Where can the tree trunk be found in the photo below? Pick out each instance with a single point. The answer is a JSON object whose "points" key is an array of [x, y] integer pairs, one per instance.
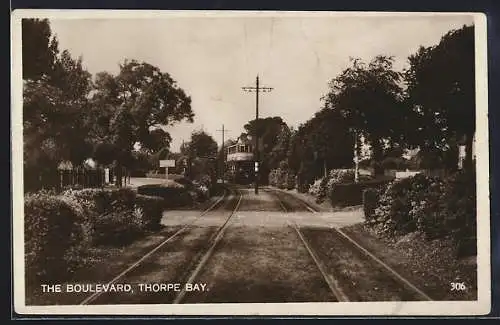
{"points": [[118, 175], [377, 157]]}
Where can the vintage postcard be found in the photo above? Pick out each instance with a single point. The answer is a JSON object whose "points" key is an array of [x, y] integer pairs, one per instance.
{"points": [[250, 163]]}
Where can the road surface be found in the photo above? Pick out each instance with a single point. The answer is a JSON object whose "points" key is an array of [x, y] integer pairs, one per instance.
{"points": [[243, 247]]}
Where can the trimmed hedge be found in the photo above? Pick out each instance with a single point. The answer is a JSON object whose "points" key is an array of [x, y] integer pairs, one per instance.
{"points": [[59, 229], [52, 235], [173, 196], [117, 228], [351, 194], [151, 208]]}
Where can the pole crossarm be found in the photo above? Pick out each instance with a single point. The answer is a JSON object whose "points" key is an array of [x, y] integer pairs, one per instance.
{"points": [[257, 89], [260, 89]]}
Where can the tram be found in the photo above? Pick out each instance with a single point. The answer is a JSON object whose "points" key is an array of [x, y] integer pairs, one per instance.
{"points": [[240, 161]]}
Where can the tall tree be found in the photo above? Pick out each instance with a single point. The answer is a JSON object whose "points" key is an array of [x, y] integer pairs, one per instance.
{"points": [[370, 99], [267, 130], [39, 48], [157, 140], [55, 93], [280, 150], [202, 145], [441, 93], [322, 143], [201, 153], [146, 99]]}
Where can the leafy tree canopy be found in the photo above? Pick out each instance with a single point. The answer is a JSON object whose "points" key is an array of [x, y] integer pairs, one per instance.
{"points": [[441, 92], [131, 107]]}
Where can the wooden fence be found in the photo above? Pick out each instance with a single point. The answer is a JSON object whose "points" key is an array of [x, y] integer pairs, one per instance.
{"points": [[57, 180]]}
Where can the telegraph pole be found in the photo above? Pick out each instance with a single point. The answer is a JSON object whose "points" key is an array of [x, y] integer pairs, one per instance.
{"points": [[257, 89], [356, 157], [223, 153]]}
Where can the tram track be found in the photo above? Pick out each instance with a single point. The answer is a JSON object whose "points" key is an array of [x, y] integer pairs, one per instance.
{"points": [[329, 280], [206, 256], [203, 247], [380, 282]]}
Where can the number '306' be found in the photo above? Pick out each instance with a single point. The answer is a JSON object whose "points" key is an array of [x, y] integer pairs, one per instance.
{"points": [[458, 286]]}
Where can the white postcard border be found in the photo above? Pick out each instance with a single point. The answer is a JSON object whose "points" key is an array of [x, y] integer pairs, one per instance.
{"points": [[481, 306]]}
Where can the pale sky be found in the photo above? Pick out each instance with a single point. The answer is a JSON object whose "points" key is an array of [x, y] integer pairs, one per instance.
{"points": [[211, 58]]}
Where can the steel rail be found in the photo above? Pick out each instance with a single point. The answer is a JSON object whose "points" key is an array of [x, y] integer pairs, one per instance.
{"points": [[395, 275], [209, 252], [330, 281], [96, 295]]}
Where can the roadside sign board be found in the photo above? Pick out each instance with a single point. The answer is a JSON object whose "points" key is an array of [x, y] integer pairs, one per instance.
{"points": [[167, 163]]}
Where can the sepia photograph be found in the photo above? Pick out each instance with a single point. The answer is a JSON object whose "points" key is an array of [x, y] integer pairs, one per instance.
{"points": [[250, 163]]}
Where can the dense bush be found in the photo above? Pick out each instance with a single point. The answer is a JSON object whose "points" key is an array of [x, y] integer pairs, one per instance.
{"points": [[431, 205], [459, 210], [173, 196], [60, 228], [204, 180], [117, 228], [351, 194], [52, 237], [425, 206], [370, 202], [318, 189], [104, 200], [290, 181], [282, 178], [151, 210], [274, 177], [321, 187], [397, 201], [122, 199]]}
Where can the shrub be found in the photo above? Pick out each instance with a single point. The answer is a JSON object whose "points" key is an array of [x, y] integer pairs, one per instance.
{"points": [[282, 178], [323, 186], [433, 206], [370, 202], [394, 206], [122, 198], [341, 176], [315, 187], [459, 208], [173, 196], [410, 204], [97, 205], [105, 200], [272, 177], [290, 181], [351, 194], [202, 192], [117, 228], [425, 208], [204, 180], [52, 237], [151, 208]]}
